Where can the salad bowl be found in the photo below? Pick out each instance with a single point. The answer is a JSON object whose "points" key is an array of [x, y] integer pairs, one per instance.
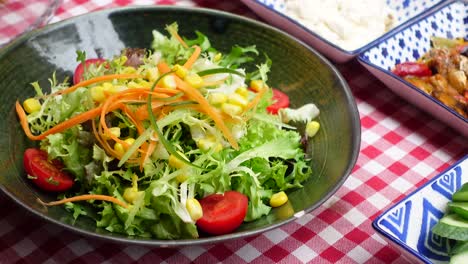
{"points": [[304, 75]]}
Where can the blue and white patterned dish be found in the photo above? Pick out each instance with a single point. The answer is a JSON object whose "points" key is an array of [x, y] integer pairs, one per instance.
{"points": [[273, 12], [448, 20], [407, 225]]}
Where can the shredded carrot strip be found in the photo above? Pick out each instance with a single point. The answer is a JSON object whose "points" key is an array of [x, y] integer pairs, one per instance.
{"points": [[102, 143], [176, 35], [148, 152], [256, 99], [198, 97], [85, 197], [163, 68], [96, 80], [133, 119], [196, 53], [78, 119], [106, 108]]}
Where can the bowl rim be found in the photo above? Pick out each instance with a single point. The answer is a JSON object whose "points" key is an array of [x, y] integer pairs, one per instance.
{"points": [[381, 231], [352, 107], [357, 51], [361, 58]]}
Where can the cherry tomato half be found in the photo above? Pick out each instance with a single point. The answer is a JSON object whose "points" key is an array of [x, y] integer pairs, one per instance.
{"points": [[280, 100], [222, 213], [78, 76], [47, 174]]}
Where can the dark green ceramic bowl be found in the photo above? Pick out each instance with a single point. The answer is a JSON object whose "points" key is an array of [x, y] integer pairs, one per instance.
{"points": [[298, 70]]}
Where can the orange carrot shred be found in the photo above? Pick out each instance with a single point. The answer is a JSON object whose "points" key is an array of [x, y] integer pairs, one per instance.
{"points": [[176, 35], [196, 53], [197, 96], [256, 99], [96, 80], [85, 197], [163, 68], [78, 119]]}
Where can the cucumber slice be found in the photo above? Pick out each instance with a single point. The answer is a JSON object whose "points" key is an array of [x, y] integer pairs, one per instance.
{"points": [[460, 258], [462, 194], [460, 208], [452, 226], [460, 246]]}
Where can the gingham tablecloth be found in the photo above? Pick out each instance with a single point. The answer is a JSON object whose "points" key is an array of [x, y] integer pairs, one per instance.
{"points": [[402, 148]]}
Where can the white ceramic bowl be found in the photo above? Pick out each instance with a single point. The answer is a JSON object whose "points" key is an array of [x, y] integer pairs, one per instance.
{"points": [[273, 11], [407, 225], [408, 44]]}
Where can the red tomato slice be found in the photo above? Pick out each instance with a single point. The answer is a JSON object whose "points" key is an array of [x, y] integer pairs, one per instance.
{"points": [[47, 174], [78, 76], [223, 213], [280, 99]]}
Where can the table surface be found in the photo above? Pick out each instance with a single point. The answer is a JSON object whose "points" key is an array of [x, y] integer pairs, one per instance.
{"points": [[402, 147]]}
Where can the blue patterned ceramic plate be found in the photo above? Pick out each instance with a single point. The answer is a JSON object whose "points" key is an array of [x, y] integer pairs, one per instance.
{"points": [[448, 20], [408, 224], [273, 11]]}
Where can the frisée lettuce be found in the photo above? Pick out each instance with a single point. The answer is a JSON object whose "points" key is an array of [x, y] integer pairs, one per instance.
{"points": [[158, 129]]}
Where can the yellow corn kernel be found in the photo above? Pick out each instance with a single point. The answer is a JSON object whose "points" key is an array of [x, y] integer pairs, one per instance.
{"points": [[31, 105], [243, 92], [285, 211], [114, 131], [130, 194], [133, 85], [119, 149], [97, 93], [179, 70], [176, 162], [217, 98], [129, 70], [107, 86], [312, 128], [231, 109], [206, 144], [122, 59], [257, 85], [152, 74], [182, 177], [237, 99], [129, 141], [194, 80], [194, 209], [217, 57], [144, 84], [168, 81], [278, 199]]}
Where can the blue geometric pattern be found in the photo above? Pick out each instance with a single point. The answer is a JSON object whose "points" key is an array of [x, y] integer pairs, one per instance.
{"points": [[448, 183], [409, 223], [277, 5], [413, 41], [430, 245], [397, 220]]}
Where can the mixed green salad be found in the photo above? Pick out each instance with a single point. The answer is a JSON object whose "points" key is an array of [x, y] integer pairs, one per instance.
{"points": [[159, 142]]}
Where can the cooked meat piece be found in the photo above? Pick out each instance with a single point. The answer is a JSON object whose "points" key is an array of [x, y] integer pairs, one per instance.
{"points": [[457, 79], [135, 56]]}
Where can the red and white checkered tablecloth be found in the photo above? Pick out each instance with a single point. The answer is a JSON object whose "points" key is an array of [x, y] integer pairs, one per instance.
{"points": [[402, 148]]}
